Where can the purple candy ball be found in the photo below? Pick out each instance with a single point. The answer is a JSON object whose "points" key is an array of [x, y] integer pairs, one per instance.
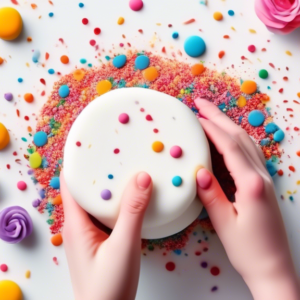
{"points": [[15, 224], [106, 194], [8, 96], [36, 202]]}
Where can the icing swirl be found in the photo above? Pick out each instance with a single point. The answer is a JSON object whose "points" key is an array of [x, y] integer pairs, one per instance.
{"points": [[280, 16], [15, 224]]}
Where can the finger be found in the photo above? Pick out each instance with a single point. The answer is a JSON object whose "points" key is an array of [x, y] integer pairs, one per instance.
{"points": [[134, 203], [235, 160], [220, 210], [214, 114], [76, 218]]}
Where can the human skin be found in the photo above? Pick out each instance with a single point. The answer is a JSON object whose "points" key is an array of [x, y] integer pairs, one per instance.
{"points": [[251, 229]]}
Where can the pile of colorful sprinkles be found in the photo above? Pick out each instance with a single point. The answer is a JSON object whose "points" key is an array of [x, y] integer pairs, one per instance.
{"points": [[241, 101]]}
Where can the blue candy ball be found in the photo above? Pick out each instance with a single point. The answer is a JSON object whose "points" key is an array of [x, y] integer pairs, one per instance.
{"points": [[54, 182], [256, 118], [64, 91], [270, 167], [40, 138], [231, 13], [142, 62], [51, 14], [175, 35], [194, 46], [177, 181], [81, 5], [119, 61], [51, 71], [271, 128], [278, 135]]}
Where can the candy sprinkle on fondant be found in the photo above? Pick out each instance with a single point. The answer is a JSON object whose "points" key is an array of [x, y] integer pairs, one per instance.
{"points": [[175, 79]]}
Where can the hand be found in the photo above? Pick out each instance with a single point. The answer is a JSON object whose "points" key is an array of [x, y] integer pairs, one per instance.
{"points": [[106, 267], [251, 229]]}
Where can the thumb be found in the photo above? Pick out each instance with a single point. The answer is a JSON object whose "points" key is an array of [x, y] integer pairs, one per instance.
{"points": [[218, 207], [134, 203]]}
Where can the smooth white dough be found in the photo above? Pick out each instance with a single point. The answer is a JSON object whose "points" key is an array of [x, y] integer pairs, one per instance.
{"points": [[97, 128]]}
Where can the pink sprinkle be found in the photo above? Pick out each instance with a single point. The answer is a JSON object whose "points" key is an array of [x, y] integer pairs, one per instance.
{"points": [[55, 260], [149, 118], [155, 130], [78, 144], [4, 268], [142, 109], [116, 151], [121, 45], [85, 21], [252, 48], [176, 151], [21, 185], [123, 118], [97, 31], [92, 42]]}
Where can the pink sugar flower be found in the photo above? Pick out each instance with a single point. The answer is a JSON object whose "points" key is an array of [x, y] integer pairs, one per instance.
{"points": [[279, 16]]}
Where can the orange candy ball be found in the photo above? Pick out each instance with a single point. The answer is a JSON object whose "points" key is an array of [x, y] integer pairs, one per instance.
{"points": [[218, 16], [197, 69], [249, 87], [57, 240], [64, 59], [1, 60], [150, 73], [28, 97], [157, 146], [57, 200]]}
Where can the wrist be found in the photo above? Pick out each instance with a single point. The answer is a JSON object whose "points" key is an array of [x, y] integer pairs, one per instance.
{"points": [[275, 287]]}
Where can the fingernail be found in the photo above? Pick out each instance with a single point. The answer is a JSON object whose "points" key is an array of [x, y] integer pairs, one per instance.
{"points": [[204, 179], [143, 180]]}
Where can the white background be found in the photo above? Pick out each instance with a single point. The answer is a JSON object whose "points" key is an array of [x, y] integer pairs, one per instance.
{"points": [[189, 280]]}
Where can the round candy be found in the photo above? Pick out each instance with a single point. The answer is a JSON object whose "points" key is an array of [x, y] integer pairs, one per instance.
{"points": [[106, 194], [256, 118], [177, 181], [231, 13], [263, 74], [54, 183], [242, 101], [175, 35], [176, 151], [157, 146], [64, 91], [36, 202], [218, 16], [194, 46], [28, 97], [271, 128], [40, 138], [150, 73], [278, 135], [10, 23], [21, 185], [15, 224], [57, 240], [251, 48], [8, 96], [171, 209], [197, 69], [142, 62], [136, 5], [81, 5], [248, 87], [103, 87], [123, 118], [121, 21], [4, 136], [35, 160], [57, 200], [119, 61], [64, 59], [9, 290]]}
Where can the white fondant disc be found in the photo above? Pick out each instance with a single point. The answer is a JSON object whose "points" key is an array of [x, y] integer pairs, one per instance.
{"points": [[100, 147]]}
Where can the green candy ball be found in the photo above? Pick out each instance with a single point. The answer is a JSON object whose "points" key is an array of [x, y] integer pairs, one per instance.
{"points": [[263, 74]]}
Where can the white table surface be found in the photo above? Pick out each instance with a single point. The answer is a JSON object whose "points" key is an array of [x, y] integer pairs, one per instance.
{"points": [[189, 280]]}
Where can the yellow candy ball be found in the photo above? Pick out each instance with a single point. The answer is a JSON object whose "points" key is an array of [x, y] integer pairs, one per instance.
{"points": [[121, 21], [218, 16], [4, 136], [11, 23], [157, 146], [241, 101], [248, 87], [103, 87], [9, 290], [35, 160], [78, 75]]}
